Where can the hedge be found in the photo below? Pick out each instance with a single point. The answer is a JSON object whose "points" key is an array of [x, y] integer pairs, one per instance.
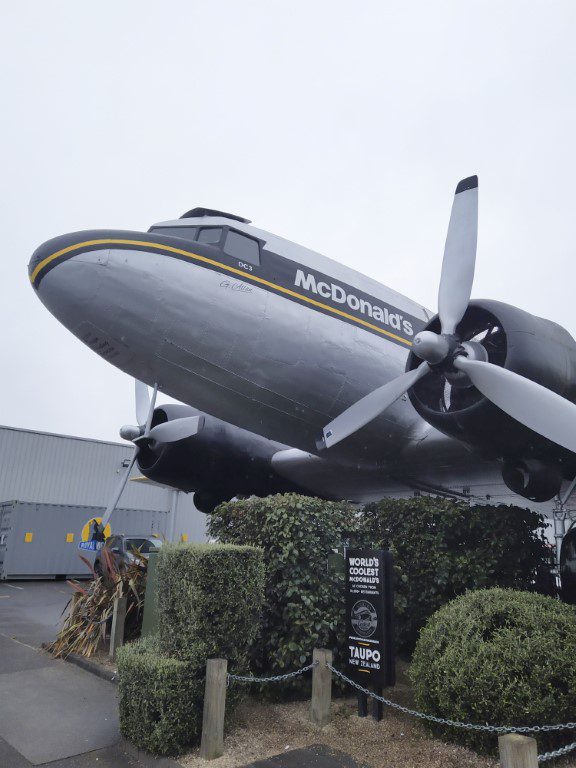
{"points": [[442, 548], [501, 657], [209, 596], [160, 698], [303, 606], [209, 605]]}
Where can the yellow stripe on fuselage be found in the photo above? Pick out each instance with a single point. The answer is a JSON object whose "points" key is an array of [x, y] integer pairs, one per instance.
{"points": [[206, 260]]}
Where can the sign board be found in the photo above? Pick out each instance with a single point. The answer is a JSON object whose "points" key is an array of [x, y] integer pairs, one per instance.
{"points": [[369, 617], [91, 537], [90, 546]]}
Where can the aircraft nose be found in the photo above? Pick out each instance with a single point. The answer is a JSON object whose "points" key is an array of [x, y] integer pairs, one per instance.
{"points": [[105, 287], [52, 253], [65, 276]]}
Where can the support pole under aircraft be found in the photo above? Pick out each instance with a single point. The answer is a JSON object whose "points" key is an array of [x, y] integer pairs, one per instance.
{"points": [[175, 497], [559, 532], [560, 515]]}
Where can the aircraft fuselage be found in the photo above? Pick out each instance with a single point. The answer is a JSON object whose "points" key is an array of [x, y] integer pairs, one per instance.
{"points": [[273, 338]]}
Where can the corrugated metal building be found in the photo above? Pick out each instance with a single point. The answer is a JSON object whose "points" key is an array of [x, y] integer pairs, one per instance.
{"points": [[63, 470]]}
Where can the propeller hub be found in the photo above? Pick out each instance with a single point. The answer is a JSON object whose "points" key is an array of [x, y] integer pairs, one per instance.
{"points": [[129, 432], [471, 350], [431, 347], [474, 351]]}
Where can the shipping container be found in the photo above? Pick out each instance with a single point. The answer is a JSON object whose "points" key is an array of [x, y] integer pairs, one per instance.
{"points": [[42, 540]]}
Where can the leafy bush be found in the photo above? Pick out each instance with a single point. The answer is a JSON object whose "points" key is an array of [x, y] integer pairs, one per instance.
{"points": [[500, 657], [442, 548], [209, 604], [304, 603], [160, 698]]}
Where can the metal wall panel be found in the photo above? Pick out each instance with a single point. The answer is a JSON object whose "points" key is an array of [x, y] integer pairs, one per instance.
{"points": [[55, 469], [58, 469]]}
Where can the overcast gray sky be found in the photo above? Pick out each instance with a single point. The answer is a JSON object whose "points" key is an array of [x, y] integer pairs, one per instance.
{"points": [[341, 126]]}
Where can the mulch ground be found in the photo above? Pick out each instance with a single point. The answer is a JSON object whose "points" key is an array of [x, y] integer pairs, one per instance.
{"points": [[261, 729]]}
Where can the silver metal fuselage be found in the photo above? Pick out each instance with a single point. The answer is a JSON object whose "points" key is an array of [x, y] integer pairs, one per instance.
{"points": [[219, 340]]}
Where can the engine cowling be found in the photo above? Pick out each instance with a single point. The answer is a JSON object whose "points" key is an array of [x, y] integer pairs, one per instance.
{"points": [[219, 462], [531, 346]]}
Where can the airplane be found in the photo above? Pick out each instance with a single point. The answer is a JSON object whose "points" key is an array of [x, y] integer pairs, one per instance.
{"points": [[296, 373]]}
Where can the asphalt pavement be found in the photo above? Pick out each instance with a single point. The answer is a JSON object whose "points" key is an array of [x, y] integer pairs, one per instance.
{"points": [[51, 711]]}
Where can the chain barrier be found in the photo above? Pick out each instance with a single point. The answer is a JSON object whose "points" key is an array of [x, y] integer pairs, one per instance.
{"points": [[497, 729], [500, 729], [272, 679], [557, 752]]}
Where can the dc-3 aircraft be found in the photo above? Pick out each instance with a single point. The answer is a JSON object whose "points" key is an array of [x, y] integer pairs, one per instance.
{"points": [[300, 374]]}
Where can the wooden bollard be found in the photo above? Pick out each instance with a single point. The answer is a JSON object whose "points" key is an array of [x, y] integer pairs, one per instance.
{"points": [[517, 751], [212, 743], [118, 622], [321, 687]]}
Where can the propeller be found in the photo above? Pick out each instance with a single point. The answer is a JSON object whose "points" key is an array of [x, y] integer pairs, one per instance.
{"points": [[533, 405], [145, 435]]}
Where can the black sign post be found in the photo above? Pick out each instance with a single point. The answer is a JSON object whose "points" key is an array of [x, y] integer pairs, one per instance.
{"points": [[369, 622]]}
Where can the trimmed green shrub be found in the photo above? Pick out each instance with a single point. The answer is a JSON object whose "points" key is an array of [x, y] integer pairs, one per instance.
{"points": [[160, 699], [304, 600], [498, 657], [442, 548], [209, 605], [209, 601]]}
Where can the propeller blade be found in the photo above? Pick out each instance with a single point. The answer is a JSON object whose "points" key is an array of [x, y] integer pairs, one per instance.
{"points": [[118, 492], [172, 431], [151, 411], [142, 402], [533, 405], [371, 406], [459, 256]]}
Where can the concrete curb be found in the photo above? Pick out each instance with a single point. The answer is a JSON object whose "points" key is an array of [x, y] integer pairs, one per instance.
{"points": [[92, 667]]}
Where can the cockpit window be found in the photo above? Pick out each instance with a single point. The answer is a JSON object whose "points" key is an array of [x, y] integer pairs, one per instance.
{"points": [[186, 233], [242, 247], [210, 235]]}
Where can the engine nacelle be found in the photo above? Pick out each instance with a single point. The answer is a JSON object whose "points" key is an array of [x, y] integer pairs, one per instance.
{"points": [[534, 479], [219, 462], [531, 346]]}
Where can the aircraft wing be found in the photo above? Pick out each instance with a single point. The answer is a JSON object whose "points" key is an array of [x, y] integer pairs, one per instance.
{"points": [[328, 479]]}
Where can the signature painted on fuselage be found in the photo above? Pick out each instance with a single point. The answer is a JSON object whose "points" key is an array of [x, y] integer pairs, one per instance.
{"points": [[236, 286]]}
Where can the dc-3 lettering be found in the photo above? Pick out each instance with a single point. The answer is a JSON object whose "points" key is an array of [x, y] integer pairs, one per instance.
{"points": [[325, 381]]}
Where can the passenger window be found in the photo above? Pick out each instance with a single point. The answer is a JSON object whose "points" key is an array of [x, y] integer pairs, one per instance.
{"points": [[242, 248], [210, 235], [185, 233]]}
